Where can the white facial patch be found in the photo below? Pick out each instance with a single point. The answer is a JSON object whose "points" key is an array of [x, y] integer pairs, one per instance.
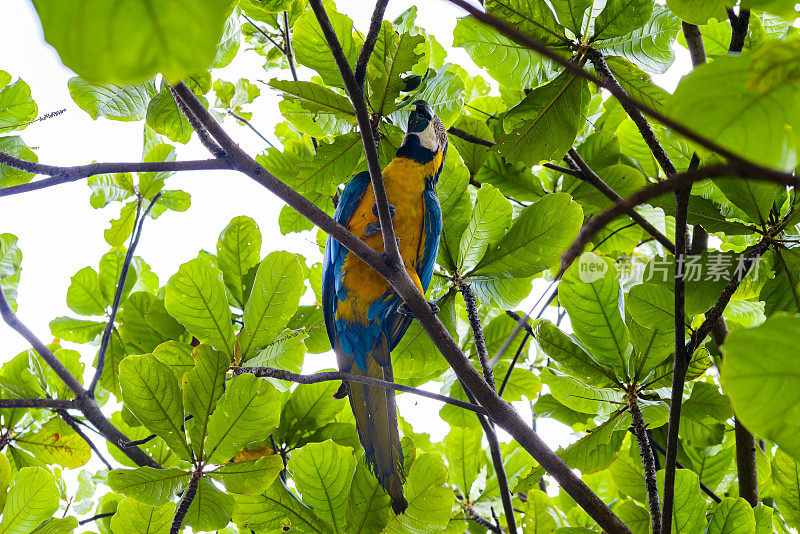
{"points": [[428, 138]]}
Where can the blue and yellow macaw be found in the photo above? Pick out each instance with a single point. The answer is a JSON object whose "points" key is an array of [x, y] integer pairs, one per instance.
{"points": [[362, 312]]}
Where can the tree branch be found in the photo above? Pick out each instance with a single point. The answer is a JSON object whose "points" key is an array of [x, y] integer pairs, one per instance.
{"points": [[85, 403], [262, 32], [62, 175], [71, 421], [95, 518], [202, 133], [52, 404], [703, 487], [325, 376], [694, 42], [517, 36], [591, 177], [477, 331], [369, 42], [648, 460], [659, 188], [186, 501], [123, 276], [739, 27]]}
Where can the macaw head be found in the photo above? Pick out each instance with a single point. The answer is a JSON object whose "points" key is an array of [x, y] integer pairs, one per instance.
{"points": [[426, 137]]}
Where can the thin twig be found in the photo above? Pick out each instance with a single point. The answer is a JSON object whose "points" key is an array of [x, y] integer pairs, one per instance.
{"points": [[186, 501], [71, 421], [123, 276], [325, 376], [249, 125], [262, 32], [63, 175], [591, 178], [648, 461], [482, 521], [369, 42], [95, 518]]}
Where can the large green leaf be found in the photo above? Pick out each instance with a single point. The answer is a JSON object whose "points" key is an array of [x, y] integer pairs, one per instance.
{"points": [[490, 218], [781, 292], [150, 390], [276, 293], [134, 517], [249, 477], [753, 197], [333, 163], [760, 126], [535, 240], [202, 388], [323, 472], [83, 294], [312, 50], [116, 102], [147, 485], [689, 507], [32, 499], [732, 516], [698, 12], [246, 412], [15, 146], [195, 297], [544, 125], [275, 509], [238, 251], [165, 118], [570, 356], [456, 207], [394, 54], [512, 64], [765, 391], [309, 407], [786, 479], [368, 505], [429, 499], [621, 17], [211, 508], [56, 443], [533, 17], [649, 47], [131, 42], [540, 513], [465, 456], [444, 92], [109, 274]]}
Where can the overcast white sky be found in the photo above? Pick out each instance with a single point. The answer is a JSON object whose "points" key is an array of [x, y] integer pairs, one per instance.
{"points": [[59, 232]]}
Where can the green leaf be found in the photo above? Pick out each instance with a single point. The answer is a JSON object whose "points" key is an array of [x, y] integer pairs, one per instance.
{"points": [[456, 207], [429, 499], [648, 47], [732, 516], [5, 479], [698, 12], [311, 47], [781, 292], [474, 155], [512, 64], [107, 188], [636, 82], [544, 125], [764, 391], [309, 407], [621, 17], [490, 218], [164, 117], [151, 392], [581, 397], [394, 54], [314, 109], [147, 485], [759, 127], [94, 38], [195, 297], [177, 356], [122, 227], [535, 240], [286, 352], [83, 294], [786, 480], [150, 183], [238, 251], [17, 108], [59, 525], [323, 473], [245, 413], [14, 146], [211, 508], [276, 294], [275, 510], [249, 477], [135, 517], [514, 179], [753, 197], [465, 456], [32, 499], [532, 17], [540, 513], [136, 322], [623, 179], [368, 505], [115, 102], [569, 356], [444, 92], [202, 388], [229, 42], [56, 443], [109, 273], [333, 163], [689, 508]]}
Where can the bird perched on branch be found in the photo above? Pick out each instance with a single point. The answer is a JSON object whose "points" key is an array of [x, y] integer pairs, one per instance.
{"points": [[364, 317]]}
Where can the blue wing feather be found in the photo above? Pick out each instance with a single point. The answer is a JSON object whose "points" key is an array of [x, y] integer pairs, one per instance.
{"points": [[335, 253]]}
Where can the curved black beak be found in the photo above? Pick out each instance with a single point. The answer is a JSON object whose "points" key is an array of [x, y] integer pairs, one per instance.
{"points": [[421, 115]]}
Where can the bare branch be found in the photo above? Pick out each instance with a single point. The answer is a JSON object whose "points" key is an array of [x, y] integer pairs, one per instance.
{"points": [[648, 460], [95, 518], [72, 422], [325, 376], [186, 501], [694, 41], [739, 26], [202, 134], [477, 330], [63, 175], [591, 177], [52, 404], [369, 42], [123, 276]]}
